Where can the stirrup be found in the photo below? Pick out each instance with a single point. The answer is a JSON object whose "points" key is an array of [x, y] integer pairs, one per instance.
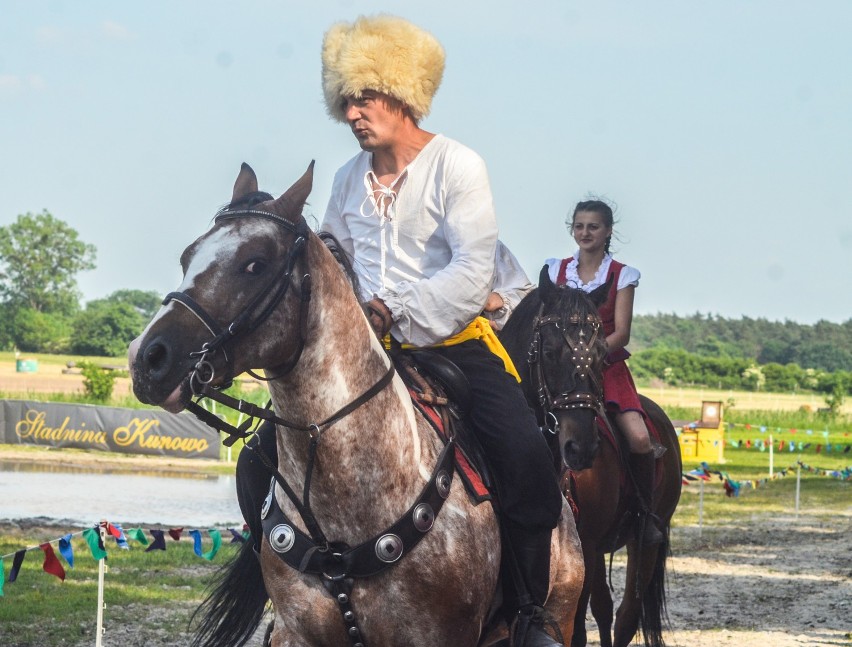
{"points": [[658, 449], [648, 530], [530, 629]]}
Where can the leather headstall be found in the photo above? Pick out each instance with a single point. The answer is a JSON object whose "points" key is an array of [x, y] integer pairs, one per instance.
{"points": [[581, 356]]}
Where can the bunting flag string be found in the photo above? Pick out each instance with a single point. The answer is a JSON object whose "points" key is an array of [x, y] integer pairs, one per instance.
{"points": [[733, 487], [748, 426], [92, 537], [790, 445]]}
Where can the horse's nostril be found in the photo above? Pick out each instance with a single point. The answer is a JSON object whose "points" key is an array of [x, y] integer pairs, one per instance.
{"points": [[155, 356]]}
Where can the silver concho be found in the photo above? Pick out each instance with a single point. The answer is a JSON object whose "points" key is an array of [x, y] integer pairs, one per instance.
{"points": [[442, 481], [267, 503], [424, 517], [282, 538], [389, 548]]}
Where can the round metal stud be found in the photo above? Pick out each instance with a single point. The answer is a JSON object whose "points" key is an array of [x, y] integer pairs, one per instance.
{"points": [[349, 616], [282, 538], [389, 548], [267, 504], [424, 517], [342, 598], [442, 481]]}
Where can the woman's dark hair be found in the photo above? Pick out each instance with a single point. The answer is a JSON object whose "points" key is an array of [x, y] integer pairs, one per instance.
{"points": [[599, 207]]}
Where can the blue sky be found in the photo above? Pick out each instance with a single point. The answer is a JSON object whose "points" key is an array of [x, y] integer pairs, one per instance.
{"points": [[722, 131]]}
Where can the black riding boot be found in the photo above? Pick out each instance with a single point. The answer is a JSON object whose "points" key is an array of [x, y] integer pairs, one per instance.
{"points": [[531, 550], [642, 466]]}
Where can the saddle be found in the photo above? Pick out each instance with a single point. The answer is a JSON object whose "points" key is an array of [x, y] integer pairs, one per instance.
{"points": [[442, 394]]}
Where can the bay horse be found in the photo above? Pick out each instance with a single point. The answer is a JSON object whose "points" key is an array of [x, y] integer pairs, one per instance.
{"points": [[556, 340], [382, 547]]}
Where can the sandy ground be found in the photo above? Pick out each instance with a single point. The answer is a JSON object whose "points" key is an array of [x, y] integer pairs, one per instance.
{"points": [[771, 581]]}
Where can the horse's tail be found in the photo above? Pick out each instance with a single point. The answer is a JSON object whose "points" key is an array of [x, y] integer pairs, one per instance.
{"points": [[232, 611], [654, 616]]}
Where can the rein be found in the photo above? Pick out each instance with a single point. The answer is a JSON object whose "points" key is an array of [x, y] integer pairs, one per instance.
{"points": [[581, 356]]}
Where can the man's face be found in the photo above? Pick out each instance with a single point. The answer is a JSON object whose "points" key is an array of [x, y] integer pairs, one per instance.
{"points": [[376, 119]]}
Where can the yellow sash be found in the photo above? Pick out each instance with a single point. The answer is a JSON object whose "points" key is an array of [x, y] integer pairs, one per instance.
{"points": [[479, 328]]}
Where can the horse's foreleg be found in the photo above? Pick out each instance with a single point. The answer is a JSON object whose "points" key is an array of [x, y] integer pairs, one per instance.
{"points": [[601, 601], [579, 637], [567, 575]]}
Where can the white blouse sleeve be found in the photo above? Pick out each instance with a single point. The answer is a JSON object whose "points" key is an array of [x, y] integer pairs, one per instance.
{"points": [[629, 276], [511, 283], [553, 265]]}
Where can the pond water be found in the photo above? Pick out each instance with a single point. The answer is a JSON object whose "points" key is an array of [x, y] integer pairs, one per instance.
{"points": [[80, 496]]}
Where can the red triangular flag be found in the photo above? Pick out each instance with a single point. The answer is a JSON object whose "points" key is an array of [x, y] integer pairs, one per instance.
{"points": [[51, 564], [115, 532], [174, 533]]}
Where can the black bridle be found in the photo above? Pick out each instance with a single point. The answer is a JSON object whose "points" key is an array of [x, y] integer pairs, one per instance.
{"points": [[256, 311], [581, 357]]}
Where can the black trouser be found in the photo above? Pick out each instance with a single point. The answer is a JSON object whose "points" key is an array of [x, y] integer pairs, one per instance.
{"points": [[520, 460], [516, 451]]}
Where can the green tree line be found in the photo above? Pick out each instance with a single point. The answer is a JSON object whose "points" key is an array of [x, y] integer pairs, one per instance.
{"points": [[41, 311], [744, 353], [40, 303]]}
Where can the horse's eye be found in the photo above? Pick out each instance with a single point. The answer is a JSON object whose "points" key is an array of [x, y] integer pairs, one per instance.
{"points": [[550, 354], [255, 267]]}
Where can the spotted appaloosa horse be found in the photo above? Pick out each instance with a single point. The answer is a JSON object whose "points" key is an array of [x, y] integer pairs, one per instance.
{"points": [[261, 291], [556, 341]]}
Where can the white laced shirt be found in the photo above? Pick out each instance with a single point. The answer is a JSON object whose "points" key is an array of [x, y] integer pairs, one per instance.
{"points": [[425, 245]]}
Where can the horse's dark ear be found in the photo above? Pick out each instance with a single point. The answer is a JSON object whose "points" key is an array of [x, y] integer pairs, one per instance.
{"points": [[546, 288], [246, 183], [290, 204], [599, 294]]}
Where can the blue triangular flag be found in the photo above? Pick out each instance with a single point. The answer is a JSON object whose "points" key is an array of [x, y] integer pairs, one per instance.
{"points": [[196, 537], [66, 550]]}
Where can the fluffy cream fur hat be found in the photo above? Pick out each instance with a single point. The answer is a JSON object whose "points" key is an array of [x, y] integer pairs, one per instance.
{"points": [[382, 53]]}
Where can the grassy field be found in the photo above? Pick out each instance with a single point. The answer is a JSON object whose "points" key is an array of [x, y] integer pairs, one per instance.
{"points": [[154, 592]]}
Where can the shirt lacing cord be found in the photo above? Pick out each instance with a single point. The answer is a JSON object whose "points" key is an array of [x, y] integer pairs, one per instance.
{"points": [[383, 206]]}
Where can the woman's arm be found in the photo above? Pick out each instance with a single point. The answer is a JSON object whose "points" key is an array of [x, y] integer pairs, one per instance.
{"points": [[623, 319]]}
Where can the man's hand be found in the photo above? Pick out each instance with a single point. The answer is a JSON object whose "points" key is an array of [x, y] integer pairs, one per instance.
{"points": [[379, 316], [494, 302]]}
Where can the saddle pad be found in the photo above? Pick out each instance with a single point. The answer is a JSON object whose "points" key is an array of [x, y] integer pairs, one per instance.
{"points": [[471, 478]]}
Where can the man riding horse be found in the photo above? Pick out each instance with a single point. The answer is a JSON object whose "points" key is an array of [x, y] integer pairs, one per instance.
{"points": [[415, 213]]}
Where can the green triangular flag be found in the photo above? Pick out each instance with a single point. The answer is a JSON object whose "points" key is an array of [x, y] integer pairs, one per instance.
{"points": [[138, 535], [93, 538], [216, 536]]}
